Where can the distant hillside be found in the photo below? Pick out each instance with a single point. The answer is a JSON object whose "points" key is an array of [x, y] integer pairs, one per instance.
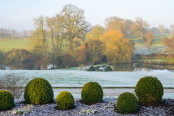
{"points": [[156, 47]]}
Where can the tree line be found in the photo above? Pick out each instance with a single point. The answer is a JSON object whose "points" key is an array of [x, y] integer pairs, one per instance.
{"points": [[67, 39]]}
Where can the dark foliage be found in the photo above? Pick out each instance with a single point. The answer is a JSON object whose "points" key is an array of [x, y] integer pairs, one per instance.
{"points": [[92, 93], [149, 90], [6, 100], [127, 103], [64, 100], [38, 91]]}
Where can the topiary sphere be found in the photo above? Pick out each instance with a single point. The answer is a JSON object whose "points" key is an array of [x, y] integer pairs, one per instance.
{"points": [[38, 91], [127, 103], [91, 68], [6, 100], [108, 68], [92, 93], [149, 90], [65, 100]]}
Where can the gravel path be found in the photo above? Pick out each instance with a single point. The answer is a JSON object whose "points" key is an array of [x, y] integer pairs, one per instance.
{"points": [[106, 108]]}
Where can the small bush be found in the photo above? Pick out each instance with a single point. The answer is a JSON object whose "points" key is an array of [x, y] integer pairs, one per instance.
{"points": [[13, 83], [6, 100], [65, 100], [149, 90], [108, 68], [127, 103], [38, 91], [92, 93], [91, 68]]}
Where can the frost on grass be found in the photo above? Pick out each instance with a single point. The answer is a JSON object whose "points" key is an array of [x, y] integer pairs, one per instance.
{"points": [[77, 78]]}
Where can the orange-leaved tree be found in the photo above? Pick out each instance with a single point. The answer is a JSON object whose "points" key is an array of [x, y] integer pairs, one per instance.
{"points": [[117, 48]]}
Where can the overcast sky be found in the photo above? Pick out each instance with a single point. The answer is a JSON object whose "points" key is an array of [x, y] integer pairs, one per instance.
{"points": [[19, 14]]}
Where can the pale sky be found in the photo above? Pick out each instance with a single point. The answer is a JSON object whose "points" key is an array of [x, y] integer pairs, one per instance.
{"points": [[19, 14]]}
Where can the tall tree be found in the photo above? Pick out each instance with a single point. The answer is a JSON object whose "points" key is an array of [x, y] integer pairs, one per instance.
{"points": [[74, 23], [114, 23], [117, 23], [162, 28], [51, 27], [117, 48], [155, 30], [140, 27], [148, 37], [169, 43], [127, 26], [95, 45], [38, 41]]}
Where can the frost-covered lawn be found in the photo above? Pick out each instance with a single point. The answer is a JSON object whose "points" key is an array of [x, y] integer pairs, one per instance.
{"points": [[77, 78]]}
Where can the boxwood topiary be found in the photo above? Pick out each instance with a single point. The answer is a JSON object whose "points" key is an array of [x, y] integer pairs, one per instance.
{"points": [[65, 100], [149, 90], [38, 91], [127, 103], [108, 68], [91, 68], [6, 100], [92, 93]]}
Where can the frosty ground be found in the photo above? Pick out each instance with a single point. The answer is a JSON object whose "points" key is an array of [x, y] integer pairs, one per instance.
{"points": [[115, 82]]}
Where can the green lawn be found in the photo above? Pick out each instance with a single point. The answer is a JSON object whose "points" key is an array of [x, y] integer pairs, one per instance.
{"points": [[158, 60], [10, 44]]}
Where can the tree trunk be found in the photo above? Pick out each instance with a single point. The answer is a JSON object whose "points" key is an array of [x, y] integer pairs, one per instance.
{"points": [[71, 47]]}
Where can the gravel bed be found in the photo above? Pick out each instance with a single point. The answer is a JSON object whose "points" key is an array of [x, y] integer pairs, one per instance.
{"points": [[106, 108]]}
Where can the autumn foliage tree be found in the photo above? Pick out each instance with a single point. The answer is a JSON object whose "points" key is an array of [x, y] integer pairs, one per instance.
{"points": [[20, 59], [139, 27], [170, 45], [94, 43], [82, 55], [117, 23], [162, 28], [148, 37], [117, 48]]}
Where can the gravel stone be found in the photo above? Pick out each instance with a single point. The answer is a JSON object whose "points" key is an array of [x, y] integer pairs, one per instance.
{"points": [[106, 108]]}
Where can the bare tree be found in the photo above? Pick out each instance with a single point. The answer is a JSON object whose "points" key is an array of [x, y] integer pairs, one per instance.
{"points": [[38, 41], [140, 26], [74, 23], [162, 28]]}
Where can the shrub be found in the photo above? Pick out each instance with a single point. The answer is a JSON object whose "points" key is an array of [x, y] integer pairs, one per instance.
{"points": [[65, 100], [127, 103], [91, 68], [13, 83], [38, 91], [108, 68], [91, 93], [149, 90], [6, 100]]}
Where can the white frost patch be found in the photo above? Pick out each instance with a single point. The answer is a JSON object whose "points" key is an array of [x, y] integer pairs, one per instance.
{"points": [[77, 78]]}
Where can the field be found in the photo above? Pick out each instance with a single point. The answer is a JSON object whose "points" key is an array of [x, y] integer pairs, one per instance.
{"points": [[9, 44], [157, 45]]}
